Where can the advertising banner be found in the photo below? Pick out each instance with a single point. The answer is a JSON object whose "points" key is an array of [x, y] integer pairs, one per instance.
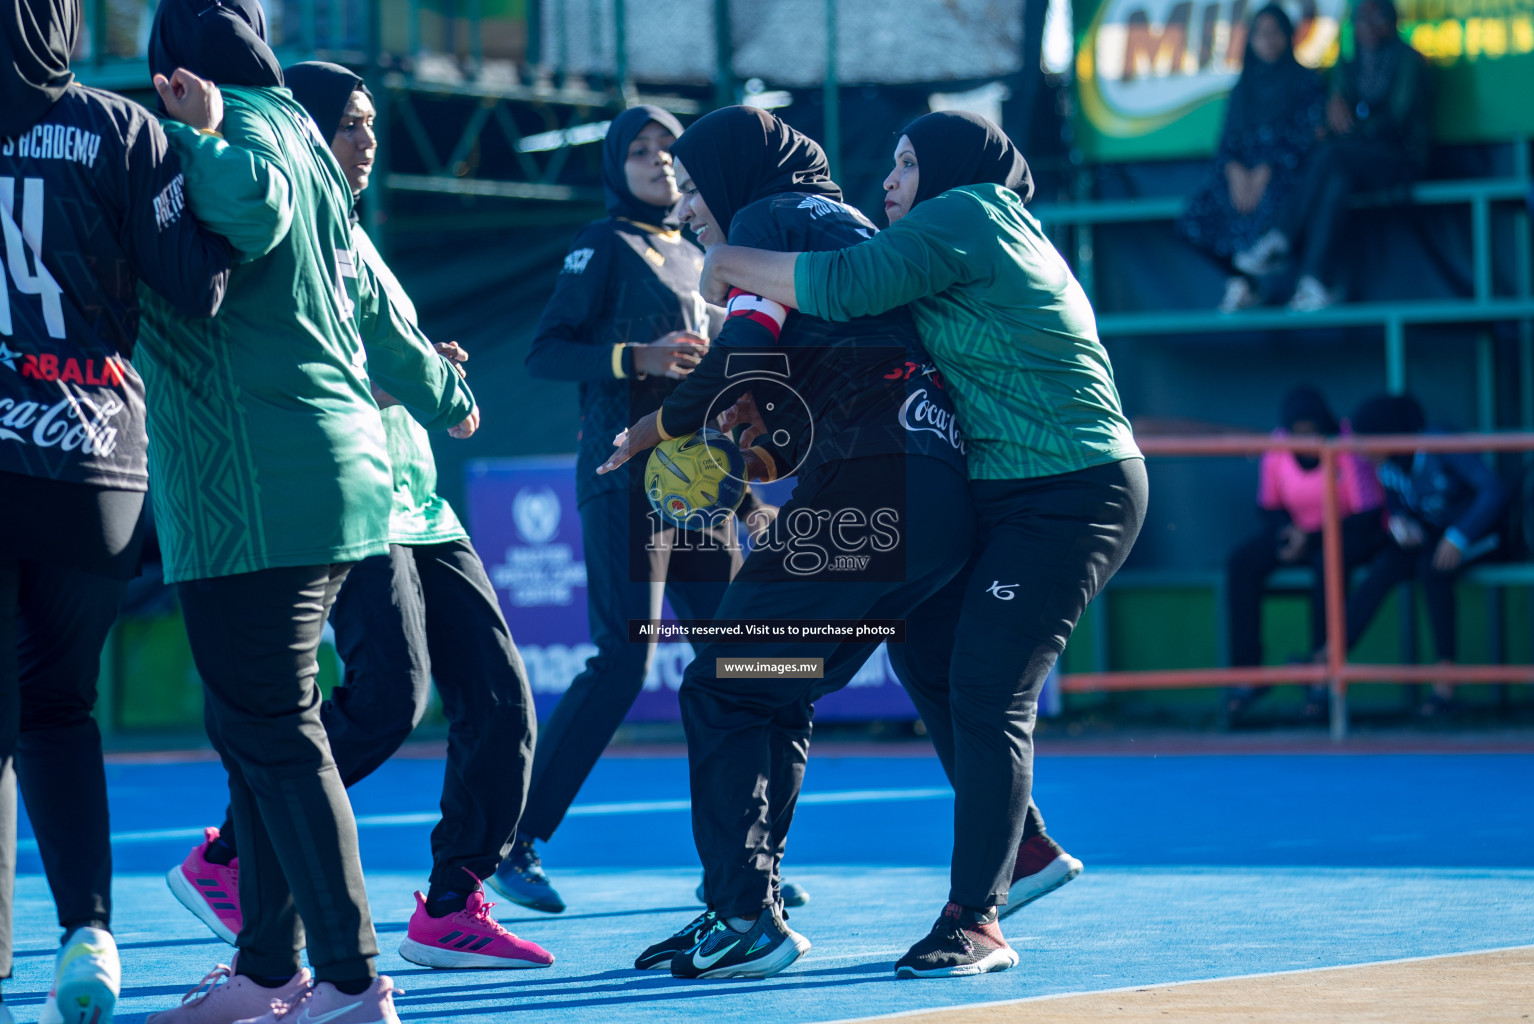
{"points": [[523, 519], [1152, 76]]}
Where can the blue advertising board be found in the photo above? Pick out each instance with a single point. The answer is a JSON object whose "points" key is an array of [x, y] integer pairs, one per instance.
{"points": [[523, 519]]}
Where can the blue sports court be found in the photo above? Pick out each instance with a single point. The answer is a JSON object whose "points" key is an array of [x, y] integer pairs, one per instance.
{"points": [[1199, 866]]}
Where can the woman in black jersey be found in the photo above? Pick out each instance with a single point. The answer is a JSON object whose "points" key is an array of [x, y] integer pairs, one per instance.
{"points": [[880, 518], [626, 322], [90, 197]]}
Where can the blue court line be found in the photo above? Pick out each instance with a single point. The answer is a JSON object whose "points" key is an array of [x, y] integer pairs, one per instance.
{"points": [[854, 796]]}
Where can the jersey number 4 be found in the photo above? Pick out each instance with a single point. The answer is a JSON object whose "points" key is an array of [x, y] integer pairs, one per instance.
{"points": [[21, 234]]}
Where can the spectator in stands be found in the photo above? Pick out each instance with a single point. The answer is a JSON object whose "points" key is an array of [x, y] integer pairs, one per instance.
{"points": [[1290, 495], [1377, 124], [1444, 510], [1270, 126]]}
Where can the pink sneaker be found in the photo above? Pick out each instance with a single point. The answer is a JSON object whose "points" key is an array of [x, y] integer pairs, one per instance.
{"points": [[211, 891], [326, 1004], [224, 997], [469, 938]]}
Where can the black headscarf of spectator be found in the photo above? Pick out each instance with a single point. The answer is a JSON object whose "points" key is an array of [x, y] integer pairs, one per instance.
{"points": [[323, 89], [1307, 405], [39, 37], [737, 155], [1390, 414], [955, 148], [615, 153], [1265, 92], [223, 41]]}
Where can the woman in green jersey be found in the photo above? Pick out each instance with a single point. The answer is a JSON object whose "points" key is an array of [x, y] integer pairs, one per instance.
{"points": [[1058, 483]]}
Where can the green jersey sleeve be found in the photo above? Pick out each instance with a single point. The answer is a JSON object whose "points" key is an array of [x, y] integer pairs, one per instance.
{"points": [[402, 360], [928, 251], [235, 186]]}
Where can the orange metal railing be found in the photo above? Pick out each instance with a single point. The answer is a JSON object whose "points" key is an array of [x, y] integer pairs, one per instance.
{"points": [[1336, 672]]}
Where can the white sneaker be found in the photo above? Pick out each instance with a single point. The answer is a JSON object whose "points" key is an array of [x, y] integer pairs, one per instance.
{"points": [[223, 997], [1311, 295], [326, 1004], [1263, 256], [86, 980], [1239, 294]]}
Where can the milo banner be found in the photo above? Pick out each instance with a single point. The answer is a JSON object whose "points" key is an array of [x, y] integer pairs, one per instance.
{"points": [[522, 517], [1152, 75]]}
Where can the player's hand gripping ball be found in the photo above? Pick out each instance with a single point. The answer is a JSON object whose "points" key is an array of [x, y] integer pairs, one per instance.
{"points": [[696, 479]]}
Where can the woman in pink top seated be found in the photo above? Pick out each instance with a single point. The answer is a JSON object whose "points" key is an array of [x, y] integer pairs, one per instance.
{"points": [[1290, 496]]}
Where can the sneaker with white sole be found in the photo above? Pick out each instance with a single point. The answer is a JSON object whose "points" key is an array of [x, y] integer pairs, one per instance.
{"points": [[323, 1003], [769, 947], [1310, 295], [86, 980], [1041, 868], [223, 997], [469, 938], [1263, 256], [962, 942], [678, 942], [210, 891], [1239, 295]]}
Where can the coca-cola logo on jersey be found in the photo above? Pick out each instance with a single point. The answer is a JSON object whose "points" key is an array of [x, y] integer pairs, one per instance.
{"points": [[919, 413], [74, 423]]}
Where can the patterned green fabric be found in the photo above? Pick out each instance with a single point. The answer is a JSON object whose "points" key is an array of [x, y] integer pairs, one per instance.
{"points": [[419, 515], [266, 448], [1010, 328]]}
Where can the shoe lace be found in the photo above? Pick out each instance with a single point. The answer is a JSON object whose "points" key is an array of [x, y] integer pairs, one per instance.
{"points": [[482, 918], [696, 923], [949, 929], [214, 978]]}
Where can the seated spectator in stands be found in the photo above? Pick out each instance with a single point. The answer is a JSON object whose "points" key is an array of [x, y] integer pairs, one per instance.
{"points": [[1377, 124], [1444, 511], [1291, 497], [1270, 125]]}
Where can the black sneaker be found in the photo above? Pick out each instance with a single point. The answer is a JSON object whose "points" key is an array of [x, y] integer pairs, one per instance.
{"points": [[791, 893], [766, 949], [520, 878], [963, 941], [660, 954]]}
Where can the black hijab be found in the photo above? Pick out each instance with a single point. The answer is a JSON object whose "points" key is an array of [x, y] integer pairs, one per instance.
{"points": [[223, 41], [323, 89], [1306, 404], [956, 148], [1390, 414], [39, 36], [615, 153], [737, 155], [1265, 93]]}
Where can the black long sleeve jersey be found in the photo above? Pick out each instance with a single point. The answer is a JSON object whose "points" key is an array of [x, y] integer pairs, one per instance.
{"points": [[826, 391], [91, 202], [622, 283]]}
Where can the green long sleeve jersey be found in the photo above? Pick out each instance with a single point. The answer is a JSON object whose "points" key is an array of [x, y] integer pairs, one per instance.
{"points": [[419, 514], [266, 448], [1012, 331]]}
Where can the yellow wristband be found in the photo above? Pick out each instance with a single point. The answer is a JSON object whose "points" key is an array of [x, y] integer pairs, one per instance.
{"points": [[618, 362], [660, 429]]}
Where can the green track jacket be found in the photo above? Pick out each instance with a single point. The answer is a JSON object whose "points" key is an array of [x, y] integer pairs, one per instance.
{"points": [[266, 448]]}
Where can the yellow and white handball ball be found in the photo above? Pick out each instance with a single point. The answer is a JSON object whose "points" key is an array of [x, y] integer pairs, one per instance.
{"points": [[694, 479]]}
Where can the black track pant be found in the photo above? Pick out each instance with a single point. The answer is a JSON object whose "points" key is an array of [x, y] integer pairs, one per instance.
{"points": [[1394, 565], [53, 625], [1317, 209], [629, 565], [977, 653], [1249, 566], [421, 613], [748, 738], [254, 637]]}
